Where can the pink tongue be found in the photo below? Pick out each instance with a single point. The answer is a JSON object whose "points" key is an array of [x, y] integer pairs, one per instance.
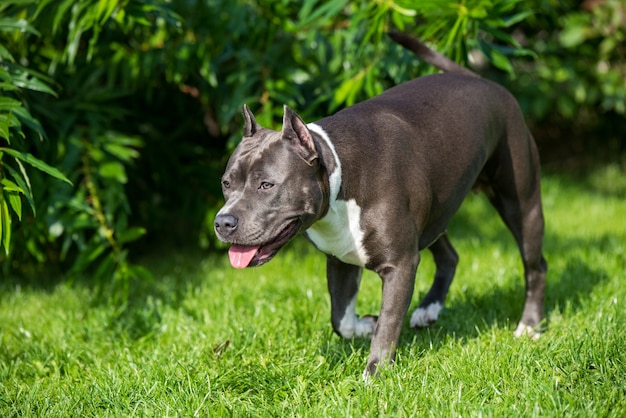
{"points": [[241, 255]]}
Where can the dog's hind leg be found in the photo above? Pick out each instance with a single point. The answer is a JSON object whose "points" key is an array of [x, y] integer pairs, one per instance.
{"points": [[446, 260], [516, 195], [525, 220], [343, 286]]}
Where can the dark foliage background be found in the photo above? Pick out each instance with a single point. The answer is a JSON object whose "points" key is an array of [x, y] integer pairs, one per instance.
{"points": [[117, 117]]}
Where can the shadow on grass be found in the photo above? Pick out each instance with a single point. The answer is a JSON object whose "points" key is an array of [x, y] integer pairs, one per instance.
{"points": [[135, 314], [570, 281]]}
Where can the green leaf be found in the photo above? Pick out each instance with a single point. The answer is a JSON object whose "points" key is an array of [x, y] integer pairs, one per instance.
{"points": [[9, 24], [38, 164], [24, 186], [306, 8], [96, 247], [2, 221], [113, 170], [573, 36], [16, 203], [5, 123], [9, 104], [403, 10], [18, 2], [9, 186], [130, 234], [12, 193], [5, 54], [14, 107], [141, 272], [4, 86], [59, 11], [499, 60], [27, 79], [10, 121], [323, 11], [478, 12], [122, 152], [349, 89], [518, 17], [106, 267], [5, 224], [516, 51]]}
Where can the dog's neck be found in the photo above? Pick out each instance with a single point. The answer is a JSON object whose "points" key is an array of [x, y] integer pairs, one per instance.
{"points": [[329, 168]]}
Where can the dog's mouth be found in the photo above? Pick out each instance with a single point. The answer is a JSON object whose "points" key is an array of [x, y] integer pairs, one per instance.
{"points": [[242, 256]]}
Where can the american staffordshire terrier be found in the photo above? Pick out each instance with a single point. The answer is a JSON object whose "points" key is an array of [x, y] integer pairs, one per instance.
{"points": [[377, 182]]}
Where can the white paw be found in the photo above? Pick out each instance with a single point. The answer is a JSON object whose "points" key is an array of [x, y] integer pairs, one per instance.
{"points": [[354, 326], [523, 329], [366, 377], [423, 317]]}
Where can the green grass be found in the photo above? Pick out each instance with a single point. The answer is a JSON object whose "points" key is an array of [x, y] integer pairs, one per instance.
{"points": [[207, 340]]}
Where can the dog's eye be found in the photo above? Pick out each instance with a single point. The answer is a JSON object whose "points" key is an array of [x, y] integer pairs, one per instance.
{"points": [[226, 184], [266, 185]]}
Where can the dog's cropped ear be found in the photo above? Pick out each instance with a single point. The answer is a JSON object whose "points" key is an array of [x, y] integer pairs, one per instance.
{"points": [[250, 125], [296, 132]]}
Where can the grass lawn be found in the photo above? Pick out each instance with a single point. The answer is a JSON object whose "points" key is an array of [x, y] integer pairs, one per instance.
{"points": [[204, 339]]}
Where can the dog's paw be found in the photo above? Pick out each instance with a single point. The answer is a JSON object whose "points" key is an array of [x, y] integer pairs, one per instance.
{"points": [[370, 372], [423, 317], [527, 330], [358, 327]]}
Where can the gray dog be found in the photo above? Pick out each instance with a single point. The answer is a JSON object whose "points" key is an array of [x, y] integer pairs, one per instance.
{"points": [[377, 182]]}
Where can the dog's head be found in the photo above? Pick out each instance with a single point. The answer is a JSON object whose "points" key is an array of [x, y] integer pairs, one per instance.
{"points": [[274, 187]]}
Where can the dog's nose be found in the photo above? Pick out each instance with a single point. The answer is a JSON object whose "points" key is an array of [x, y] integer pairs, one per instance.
{"points": [[225, 224]]}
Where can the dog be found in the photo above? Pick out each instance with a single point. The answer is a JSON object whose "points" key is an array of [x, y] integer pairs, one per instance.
{"points": [[374, 184]]}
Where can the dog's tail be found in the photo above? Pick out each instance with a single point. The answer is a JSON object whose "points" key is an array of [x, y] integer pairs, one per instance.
{"points": [[433, 58]]}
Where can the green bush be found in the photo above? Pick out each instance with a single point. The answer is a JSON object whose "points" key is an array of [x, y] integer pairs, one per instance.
{"points": [[580, 62], [137, 102], [82, 121]]}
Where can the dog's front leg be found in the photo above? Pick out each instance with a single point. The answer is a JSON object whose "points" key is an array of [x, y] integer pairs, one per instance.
{"points": [[398, 282], [343, 286]]}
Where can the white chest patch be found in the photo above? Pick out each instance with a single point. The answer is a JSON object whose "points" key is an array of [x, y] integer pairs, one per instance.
{"points": [[338, 233]]}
